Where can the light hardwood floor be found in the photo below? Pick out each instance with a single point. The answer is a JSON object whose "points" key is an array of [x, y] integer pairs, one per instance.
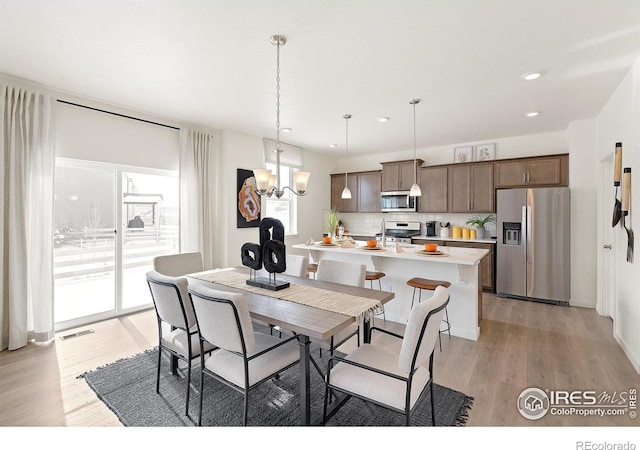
{"points": [[521, 345]]}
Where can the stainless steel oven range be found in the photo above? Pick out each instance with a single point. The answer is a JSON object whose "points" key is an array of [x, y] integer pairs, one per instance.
{"points": [[399, 231]]}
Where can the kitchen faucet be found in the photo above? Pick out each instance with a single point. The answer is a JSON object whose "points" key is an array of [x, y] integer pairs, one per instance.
{"points": [[383, 227]]}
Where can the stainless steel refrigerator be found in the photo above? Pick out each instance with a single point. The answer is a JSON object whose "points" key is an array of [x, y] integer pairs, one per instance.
{"points": [[533, 252]]}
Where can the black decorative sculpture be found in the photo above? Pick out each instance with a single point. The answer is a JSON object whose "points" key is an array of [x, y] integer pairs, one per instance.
{"points": [[270, 253]]}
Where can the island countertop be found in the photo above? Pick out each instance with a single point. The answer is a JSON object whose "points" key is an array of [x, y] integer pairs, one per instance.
{"points": [[451, 255]]}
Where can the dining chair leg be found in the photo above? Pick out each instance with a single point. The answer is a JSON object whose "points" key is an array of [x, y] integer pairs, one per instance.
{"points": [[246, 408], [433, 410], [158, 371], [186, 407], [201, 389]]}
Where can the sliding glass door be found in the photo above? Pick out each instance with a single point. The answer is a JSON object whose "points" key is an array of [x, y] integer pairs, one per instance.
{"points": [[84, 239], [150, 219], [109, 224]]}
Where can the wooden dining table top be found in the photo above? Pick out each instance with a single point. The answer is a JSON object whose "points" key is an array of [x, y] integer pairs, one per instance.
{"points": [[313, 322]]}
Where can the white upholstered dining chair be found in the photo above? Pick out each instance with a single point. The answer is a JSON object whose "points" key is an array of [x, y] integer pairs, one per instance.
{"points": [[297, 265], [177, 327], [244, 358], [179, 264], [342, 272], [394, 380]]}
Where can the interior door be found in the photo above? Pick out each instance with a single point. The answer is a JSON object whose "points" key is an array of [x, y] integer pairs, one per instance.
{"points": [[606, 303]]}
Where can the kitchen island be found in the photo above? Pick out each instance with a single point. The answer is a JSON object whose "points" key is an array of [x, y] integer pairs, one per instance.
{"points": [[459, 266]]}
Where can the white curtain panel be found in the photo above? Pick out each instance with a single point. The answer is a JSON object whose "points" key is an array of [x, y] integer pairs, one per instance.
{"points": [[198, 200], [26, 227]]}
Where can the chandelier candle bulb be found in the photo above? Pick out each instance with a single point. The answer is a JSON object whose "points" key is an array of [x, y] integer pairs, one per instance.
{"points": [[617, 171]]}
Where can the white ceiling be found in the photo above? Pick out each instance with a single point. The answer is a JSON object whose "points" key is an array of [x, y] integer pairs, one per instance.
{"points": [[211, 63]]}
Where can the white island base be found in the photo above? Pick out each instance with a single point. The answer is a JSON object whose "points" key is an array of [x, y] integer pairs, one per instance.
{"points": [[460, 267]]}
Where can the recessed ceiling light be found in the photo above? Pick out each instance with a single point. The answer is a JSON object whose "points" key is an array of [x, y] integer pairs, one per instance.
{"points": [[531, 113], [383, 119], [285, 130], [333, 145], [532, 75]]}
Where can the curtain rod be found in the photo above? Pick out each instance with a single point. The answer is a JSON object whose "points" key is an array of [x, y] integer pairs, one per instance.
{"points": [[117, 114]]}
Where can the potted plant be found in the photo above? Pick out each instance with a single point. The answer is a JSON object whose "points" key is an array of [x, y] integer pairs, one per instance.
{"points": [[479, 222], [331, 222]]}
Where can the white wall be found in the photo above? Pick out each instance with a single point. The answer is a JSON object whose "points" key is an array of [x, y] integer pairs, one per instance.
{"points": [[581, 136], [619, 121]]}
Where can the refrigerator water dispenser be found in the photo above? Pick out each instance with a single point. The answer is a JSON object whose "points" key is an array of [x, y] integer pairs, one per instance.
{"points": [[511, 232]]}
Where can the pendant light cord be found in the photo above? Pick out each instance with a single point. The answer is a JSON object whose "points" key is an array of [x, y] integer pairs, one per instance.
{"points": [[346, 166], [415, 163], [278, 116]]}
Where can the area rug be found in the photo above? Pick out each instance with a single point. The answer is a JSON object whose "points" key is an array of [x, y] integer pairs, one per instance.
{"points": [[127, 387]]}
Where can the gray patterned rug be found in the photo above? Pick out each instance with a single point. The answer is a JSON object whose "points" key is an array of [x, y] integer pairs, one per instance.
{"points": [[127, 387]]}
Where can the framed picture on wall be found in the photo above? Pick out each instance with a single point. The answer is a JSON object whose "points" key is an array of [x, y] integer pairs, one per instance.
{"points": [[485, 152], [463, 154], [248, 211]]}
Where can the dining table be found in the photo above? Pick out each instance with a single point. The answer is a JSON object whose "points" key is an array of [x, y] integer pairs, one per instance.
{"points": [[303, 308]]}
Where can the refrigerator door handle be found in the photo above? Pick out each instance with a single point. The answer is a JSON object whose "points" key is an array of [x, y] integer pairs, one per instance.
{"points": [[525, 233], [528, 236]]}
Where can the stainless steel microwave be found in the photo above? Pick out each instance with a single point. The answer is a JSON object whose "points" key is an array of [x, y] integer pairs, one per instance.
{"points": [[397, 201]]}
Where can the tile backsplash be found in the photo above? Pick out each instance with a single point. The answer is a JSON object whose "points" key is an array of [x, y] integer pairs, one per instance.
{"points": [[369, 224]]}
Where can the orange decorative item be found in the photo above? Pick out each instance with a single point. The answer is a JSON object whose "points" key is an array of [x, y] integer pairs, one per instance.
{"points": [[326, 239], [430, 247], [372, 243]]}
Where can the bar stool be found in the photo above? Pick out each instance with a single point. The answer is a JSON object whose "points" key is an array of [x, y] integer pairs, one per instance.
{"points": [[431, 285], [312, 269], [370, 276]]}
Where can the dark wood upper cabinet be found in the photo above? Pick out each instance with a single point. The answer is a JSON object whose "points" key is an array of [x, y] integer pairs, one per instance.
{"points": [[471, 188], [398, 175], [454, 188], [537, 171], [433, 184], [369, 191], [365, 192]]}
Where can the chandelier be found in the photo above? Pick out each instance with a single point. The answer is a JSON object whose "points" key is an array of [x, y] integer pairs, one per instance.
{"points": [[267, 183]]}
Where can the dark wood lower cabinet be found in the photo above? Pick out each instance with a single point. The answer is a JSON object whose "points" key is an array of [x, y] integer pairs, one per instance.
{"points": [[487, 265]]}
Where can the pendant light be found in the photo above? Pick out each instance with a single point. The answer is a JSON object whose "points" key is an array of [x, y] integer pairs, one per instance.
{"points": [[346, 192], [267, 183], [415, 190]]}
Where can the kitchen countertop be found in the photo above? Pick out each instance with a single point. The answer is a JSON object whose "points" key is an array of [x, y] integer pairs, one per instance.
{"points": [[455, 255], [439, 238], [428, 238]]}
